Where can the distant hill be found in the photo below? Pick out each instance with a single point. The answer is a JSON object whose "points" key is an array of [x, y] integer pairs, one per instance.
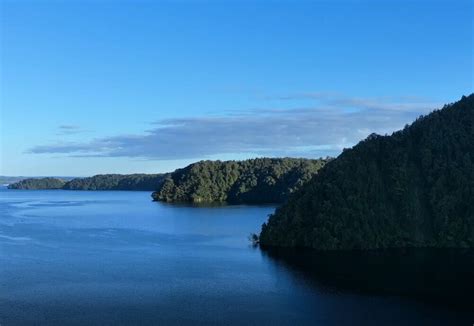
{"points": [[262, 180], [38, 183], [414, 188], [148, 182], [5, 180], [256, 181]]}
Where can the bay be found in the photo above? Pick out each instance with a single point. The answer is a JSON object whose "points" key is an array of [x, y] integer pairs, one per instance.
{"points": [[117, 258]]}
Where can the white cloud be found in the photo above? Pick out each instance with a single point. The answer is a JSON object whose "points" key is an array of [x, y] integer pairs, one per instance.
{"points": [[333, 123]]}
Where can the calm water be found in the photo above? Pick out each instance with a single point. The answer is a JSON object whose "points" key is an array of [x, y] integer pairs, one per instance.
{"points": [[117, 258]]}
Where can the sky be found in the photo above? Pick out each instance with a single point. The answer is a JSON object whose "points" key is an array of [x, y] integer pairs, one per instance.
{"points": [[92, 87]]}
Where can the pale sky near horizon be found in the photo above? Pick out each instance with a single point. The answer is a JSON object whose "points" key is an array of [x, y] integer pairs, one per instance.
{"points": [[93, 87]]}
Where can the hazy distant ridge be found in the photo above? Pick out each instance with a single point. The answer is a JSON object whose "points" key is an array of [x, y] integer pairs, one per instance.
{"points": [[145, 182]]}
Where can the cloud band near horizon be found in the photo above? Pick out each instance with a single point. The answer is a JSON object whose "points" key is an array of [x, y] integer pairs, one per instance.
{"points": [[335, 123]]}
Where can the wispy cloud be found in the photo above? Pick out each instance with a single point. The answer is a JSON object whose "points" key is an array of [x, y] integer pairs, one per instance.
{"points": [[69, 130], [333, 123], [407, 103]]}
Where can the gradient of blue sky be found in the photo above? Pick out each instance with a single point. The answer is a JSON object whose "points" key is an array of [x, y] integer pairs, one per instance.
{"points": [[82, 75]]}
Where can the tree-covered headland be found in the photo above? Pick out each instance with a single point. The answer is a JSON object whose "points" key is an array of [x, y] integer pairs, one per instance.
{"points": [[146, 182], [414, 188], [38, 183], [254, 181]]}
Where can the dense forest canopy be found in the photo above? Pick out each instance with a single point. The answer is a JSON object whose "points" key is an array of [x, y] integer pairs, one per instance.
{"points": [[148, 182], [262, 180], [414, 188]]}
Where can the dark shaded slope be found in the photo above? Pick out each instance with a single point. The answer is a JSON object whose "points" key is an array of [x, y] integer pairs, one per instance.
{"points": [[414, 188]]}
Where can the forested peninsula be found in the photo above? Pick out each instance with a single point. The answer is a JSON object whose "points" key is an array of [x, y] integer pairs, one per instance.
{"points": [[254, 181], [38, 183], [414, 188], [145, 182]]}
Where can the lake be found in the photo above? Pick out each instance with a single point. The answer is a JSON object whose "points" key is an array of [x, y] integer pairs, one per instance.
{"points": [[117, 258]]}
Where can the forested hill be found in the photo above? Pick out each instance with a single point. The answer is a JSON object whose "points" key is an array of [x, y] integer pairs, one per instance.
{"points": [[263, 180], [38, 183], [251, 181], [411, 189], [148, 182]]}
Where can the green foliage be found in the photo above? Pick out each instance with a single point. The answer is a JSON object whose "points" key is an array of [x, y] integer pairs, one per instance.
{"points": [[149, 182], [263, 180], [414, 188], [38, 183]]}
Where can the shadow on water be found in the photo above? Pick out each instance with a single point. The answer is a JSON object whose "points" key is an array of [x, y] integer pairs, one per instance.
{"points": [[212, 205], [441, 276]]}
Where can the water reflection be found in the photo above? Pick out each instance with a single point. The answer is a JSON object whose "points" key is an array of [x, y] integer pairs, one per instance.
{"points": [[443, 276], [116, 258]]}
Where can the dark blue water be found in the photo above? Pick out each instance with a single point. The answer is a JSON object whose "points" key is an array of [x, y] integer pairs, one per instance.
{"points": [[117, 258]]}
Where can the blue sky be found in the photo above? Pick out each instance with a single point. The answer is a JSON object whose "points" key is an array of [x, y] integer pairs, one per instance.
{"points": [[148, 86]]}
